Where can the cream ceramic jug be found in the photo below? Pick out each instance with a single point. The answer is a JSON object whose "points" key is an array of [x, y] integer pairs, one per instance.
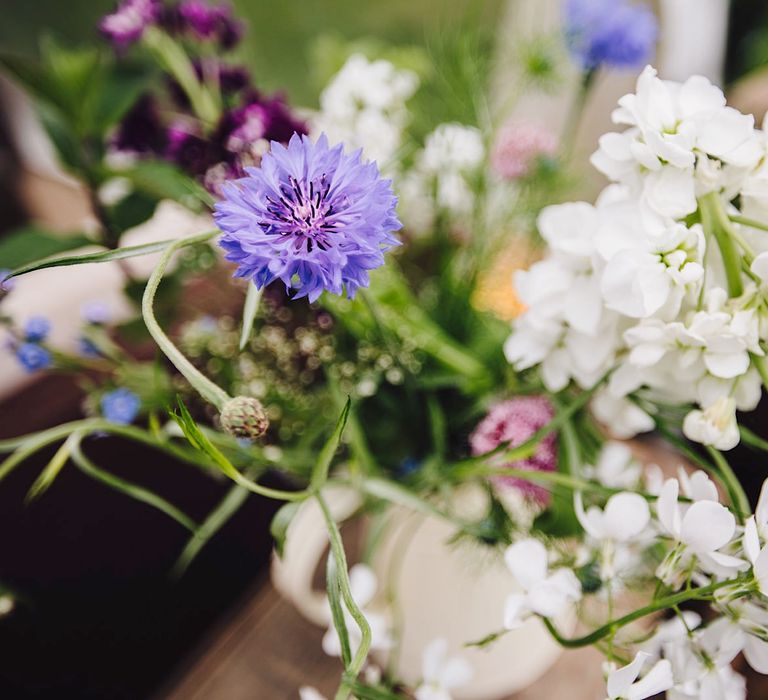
{"points": [[455, 591]]}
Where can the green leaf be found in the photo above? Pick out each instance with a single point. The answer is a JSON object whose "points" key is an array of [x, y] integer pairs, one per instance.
{"points": [[132, 210], [320, 471], [138, 493], [52, 469], [165, 181], [100, 257], [250, 310], [278, 528], [333, 585], [29, 243]]}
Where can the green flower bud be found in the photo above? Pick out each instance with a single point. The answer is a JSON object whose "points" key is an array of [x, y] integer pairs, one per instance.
{"points": [[244, 417]]}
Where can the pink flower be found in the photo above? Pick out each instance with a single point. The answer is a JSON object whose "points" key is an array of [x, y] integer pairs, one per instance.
{"points": [[518, 145], [514, 421]]}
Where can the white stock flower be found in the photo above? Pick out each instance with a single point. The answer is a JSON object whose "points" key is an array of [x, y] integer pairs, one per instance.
{"points": [[670, 125], [701, 663], [545, 593], [755, 540], [702, 528], [616, 466], [364, 106], [624, 518], [716, 425], [440, 675], [362, 584], [623, 418], [307, 692], [622, 683]]}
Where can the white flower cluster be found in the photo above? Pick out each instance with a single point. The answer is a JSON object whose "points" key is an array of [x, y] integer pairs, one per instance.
{"points": [[704, 548], [364, 107], [442, 176], [655, 283]]}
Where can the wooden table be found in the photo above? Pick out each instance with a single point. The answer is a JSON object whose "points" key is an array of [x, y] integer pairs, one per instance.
{"points": [[268, 651]]}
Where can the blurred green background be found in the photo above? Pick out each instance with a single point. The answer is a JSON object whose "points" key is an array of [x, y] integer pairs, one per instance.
{"points": [[285, 38]]}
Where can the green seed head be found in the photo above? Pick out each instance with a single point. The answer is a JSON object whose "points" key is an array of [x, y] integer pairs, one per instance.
{"points": [[244, 417]]}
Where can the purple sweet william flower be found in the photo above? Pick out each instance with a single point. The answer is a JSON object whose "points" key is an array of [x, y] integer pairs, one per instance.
{"points": [[207, 22], [311, 216], [120, 406], [513, 422], [128, 22], [614, 33]]}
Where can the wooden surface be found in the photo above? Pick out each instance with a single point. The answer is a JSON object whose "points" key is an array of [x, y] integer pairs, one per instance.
{"points": [[268, 651]]}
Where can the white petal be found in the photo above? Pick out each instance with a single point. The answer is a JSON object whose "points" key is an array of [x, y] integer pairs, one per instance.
{"points": [[707, 526], [620, 680], [515, 607], [456, 672], [727, 365], [761, 512], [760, 569], [666, 507], [527, 560], [656, 681], [362, 584], [751, 540], [308, 693], [760, 266], [626, 516], [756, 653], [432, 658]]}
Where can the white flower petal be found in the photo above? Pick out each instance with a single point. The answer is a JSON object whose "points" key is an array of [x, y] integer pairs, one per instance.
{"points": [[515, 608], [707, 526], [756, 653], [626, 515], [432, 658], [527, 560], [362, 584], [751, 540], [620, 680], [656, 681], [666, 507]]}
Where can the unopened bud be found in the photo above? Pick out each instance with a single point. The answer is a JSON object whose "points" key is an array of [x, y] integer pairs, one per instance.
{"points": [[244, 417]]}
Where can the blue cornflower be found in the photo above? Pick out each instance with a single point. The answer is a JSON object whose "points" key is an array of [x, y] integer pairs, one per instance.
{"points": [[33, 357], [311, 216], [120, 406], [36, 329], [613, 33]]}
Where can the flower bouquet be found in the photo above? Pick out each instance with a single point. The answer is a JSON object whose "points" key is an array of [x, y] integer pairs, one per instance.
{"points": [[369, 349]]}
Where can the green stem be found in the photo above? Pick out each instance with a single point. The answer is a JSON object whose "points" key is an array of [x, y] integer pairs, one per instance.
{"points": [[753, 440], [337, 549], [219, 517], [739, 500], [759, 362], [610, 627], [130, 489], [204, 386], [744, 221], [716, 223]]}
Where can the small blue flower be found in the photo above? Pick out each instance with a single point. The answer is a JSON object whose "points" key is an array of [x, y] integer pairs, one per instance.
{"points": [[87, 347], [6, 285], [311, 216], [36, 329], [95, 312], [120, 406], [614, 33], [33, 357]]}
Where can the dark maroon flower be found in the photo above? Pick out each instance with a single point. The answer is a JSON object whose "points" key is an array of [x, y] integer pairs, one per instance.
{"points": [[204, 22], [141, 130]]}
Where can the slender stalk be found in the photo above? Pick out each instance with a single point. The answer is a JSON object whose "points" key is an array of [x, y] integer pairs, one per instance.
{"points": [[610, 627], [739, 500], [337, 549], [752, 223], [716, 223], [216, 519], [204, 386], [135, 491]]}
